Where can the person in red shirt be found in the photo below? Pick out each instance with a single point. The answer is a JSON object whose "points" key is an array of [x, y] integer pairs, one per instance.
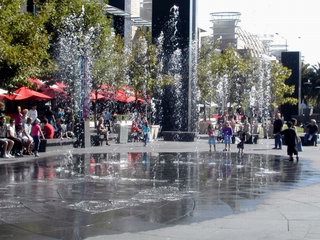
{"points": [[48, 129]]}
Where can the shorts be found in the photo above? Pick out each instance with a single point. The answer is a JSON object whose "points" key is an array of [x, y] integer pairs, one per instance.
{"points": [[227, 139], [212, 140]]}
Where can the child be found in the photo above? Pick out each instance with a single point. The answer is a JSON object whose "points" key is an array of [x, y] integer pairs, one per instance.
{"points": [[36, 133], [242, 138], [146, 132], [212, 137], [227, 135]]}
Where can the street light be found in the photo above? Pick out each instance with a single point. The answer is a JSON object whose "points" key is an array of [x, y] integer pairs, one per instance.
{"points": [[286, 41]]}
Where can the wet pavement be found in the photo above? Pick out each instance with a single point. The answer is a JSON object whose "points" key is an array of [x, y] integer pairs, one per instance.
{"points": [[78, 196]]}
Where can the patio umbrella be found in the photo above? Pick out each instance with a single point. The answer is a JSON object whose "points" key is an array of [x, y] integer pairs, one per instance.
{"points": [[37, 82], [25, 93], [54, 91], [95, 97], [3, 94]]}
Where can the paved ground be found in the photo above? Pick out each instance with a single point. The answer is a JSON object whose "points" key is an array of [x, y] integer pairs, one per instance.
{"points": [[292, 214]]}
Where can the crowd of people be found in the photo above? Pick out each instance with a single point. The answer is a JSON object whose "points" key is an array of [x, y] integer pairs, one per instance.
{"points": [[229, 130], [21, 132]]}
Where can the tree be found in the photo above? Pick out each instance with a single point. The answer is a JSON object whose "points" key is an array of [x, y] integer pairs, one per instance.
{"points": [[24, 44], [281, 92], [207, 71]]}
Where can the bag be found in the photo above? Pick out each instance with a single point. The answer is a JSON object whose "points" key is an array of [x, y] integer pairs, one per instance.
{"points": [[299, 146]]}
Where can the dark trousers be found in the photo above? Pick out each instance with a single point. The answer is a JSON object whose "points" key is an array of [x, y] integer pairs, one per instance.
{"points": [[17, 147], [36, 140]]}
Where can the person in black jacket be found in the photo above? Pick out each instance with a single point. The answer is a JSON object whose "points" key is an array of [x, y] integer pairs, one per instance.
{"points": [[291, 139], [277, 128]]}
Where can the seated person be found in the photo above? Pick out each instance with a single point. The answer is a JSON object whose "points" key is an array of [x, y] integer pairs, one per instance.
{"points": [[311, 133], [135, 131], [102, 131], [26, 140], [61, 130], [6, 143], [48, 129], [12, 135]]}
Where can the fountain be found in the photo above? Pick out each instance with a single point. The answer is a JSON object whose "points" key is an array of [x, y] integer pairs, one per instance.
{"points": [[75, 48], [176, 25]]}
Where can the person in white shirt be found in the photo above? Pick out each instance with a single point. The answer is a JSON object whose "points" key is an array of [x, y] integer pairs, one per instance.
{"points": [[33, 113]]}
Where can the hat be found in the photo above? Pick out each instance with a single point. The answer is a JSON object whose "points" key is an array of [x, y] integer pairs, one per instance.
{"points": [[37, 120]]}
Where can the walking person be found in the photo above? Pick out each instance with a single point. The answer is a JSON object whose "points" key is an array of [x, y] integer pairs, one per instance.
{"points": [[146, 132], [291, 139], [212, 137], [277, 128], [241, 134], [227, 135], [36, 132]]}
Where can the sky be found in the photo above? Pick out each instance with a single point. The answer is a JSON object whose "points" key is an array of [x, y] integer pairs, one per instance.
{"points": [[296, 21]]}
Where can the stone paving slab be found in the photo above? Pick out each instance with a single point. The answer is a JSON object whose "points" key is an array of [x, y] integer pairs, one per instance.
{"points": [[286, 215]]}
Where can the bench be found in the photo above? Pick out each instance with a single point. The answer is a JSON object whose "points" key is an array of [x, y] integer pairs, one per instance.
{"points": [[54, 143], [97, 141]]}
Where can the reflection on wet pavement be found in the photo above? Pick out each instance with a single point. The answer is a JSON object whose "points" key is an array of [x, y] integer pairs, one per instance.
{"points": [[74, 197]]}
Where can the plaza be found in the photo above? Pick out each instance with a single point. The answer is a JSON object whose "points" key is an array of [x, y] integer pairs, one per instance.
{"points": [[284, 206]]}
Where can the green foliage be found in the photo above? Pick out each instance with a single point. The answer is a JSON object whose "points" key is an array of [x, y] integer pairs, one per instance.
{"points": [[110, 63], [24, 44], [281, 92], [143, 64]]}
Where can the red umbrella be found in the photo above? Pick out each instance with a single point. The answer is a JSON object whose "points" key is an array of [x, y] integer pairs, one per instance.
{"points": [[36, 82], [53, 91], [95, 97], [25, 93]]}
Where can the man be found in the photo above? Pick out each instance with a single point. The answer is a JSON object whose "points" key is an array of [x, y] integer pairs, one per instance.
{"points": [[277, 128], [48, 129], [12, 135], [291, 139]]}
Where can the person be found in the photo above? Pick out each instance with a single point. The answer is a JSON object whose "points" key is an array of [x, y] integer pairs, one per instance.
{"points": [[212, 137], [7, 144], [291, 139], [26, 136], [12, 135], [277, 128], [102, 131], [227, 135], [48, 129], [107, 118], [33, 113], [61, 113], [36, 133], [24, 116], [19, 118], [311, 133], [242, 138], [146, 131], [49, 114], [135, 132]]}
